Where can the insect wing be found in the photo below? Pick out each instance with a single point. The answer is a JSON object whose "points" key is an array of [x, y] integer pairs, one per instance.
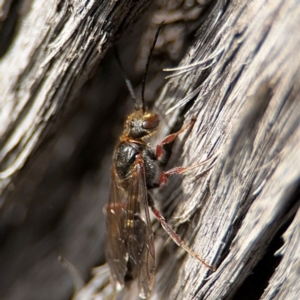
{"points": [[116, 250], [129, 238], [141, 247]]}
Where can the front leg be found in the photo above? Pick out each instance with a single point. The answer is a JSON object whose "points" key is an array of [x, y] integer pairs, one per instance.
{"points": [[170, 138]]}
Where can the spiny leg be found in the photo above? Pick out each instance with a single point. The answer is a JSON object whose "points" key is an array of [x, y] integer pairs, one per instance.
{"points": [[170, 138], [173, 235], [179, 170]]}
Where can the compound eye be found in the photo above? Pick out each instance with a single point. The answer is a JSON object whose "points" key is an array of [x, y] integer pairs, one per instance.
{"points": [[151, 122]]}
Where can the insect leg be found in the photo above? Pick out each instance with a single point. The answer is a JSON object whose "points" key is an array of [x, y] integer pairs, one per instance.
{"points": [[180, 170], [170, 138], [173, 235]]}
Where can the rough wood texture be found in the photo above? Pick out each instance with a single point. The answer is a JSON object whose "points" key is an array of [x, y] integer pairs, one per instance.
{"points": [[240, 212], [57, 46], [47, 54], [247, 109]]}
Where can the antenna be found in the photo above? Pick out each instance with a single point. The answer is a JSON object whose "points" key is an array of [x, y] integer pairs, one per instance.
{"points": [[127, 81], [147, 67]]}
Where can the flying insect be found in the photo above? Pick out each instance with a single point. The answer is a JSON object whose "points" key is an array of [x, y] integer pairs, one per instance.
{"points": [[130, 251]]}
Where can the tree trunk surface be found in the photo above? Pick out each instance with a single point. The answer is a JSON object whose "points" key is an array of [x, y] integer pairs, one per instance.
{"points": [[238, 77]]}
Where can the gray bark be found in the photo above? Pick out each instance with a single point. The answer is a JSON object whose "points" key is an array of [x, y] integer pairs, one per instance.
{"points": [[48, 52], [247, 109], [58, 43], [240, 78]]}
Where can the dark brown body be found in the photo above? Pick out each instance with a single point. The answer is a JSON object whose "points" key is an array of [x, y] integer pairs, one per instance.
{"points": [[130, 250], [129, 238]]}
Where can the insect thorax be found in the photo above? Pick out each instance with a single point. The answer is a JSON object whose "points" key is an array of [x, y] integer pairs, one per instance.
{"points": [[125, 156]]}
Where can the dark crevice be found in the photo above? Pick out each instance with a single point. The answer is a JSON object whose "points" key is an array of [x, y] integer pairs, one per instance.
{"points": [[254, 285], [9, 26], [230, 59]]}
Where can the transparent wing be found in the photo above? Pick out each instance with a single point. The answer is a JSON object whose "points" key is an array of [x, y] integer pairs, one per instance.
{"points": [[129, 238], [115, 247], [141, 247]]}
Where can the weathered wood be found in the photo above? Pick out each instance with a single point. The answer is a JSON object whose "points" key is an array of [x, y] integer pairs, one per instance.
{"points": [[55, 49], [56, 46], [242, 76], [247, 109], [243, 85]]}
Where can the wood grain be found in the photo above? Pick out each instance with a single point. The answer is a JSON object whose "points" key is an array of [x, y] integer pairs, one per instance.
{"points": [[58, 44], [239, 78]]}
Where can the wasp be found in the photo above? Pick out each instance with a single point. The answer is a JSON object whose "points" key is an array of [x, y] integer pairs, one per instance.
{"points": [[130, 251]]}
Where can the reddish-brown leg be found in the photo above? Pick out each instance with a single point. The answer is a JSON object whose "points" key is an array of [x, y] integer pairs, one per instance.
{"points": [[177, 239], [170, 138], [179, 170], [165, 175]]}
